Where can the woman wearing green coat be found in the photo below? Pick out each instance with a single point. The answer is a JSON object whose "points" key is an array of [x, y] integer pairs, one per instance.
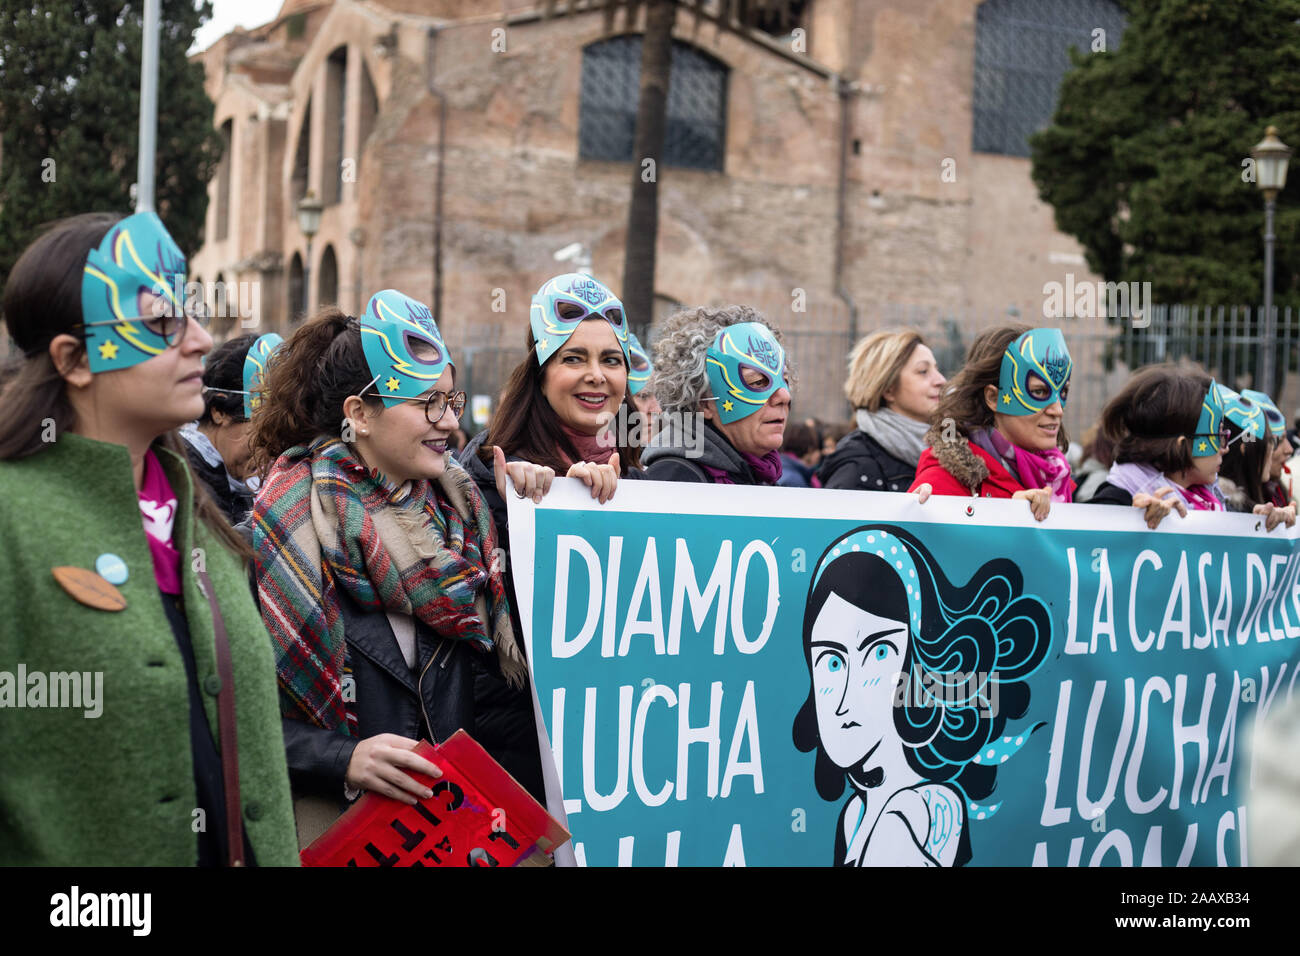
{"points": [[139, 722]]}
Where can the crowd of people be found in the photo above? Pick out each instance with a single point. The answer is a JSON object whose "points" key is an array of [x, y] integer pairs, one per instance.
{"points": [[317, 589]]}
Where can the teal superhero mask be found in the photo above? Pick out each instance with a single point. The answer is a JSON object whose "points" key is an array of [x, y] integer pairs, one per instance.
{"points": [[255, 369], [137, 256], [638, 375], [1272, 414], [404, 349], [745, 345], [1209, 439], [563, 302], [1042, 354], [1244, 412]]}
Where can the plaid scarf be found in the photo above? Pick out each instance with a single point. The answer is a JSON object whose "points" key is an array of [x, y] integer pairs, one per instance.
{"points": [[323, 521]]}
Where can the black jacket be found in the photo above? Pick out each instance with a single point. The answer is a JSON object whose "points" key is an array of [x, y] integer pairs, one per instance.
{"points": [[1108, 494], [859, 461], [667, 458], [430, 702]]}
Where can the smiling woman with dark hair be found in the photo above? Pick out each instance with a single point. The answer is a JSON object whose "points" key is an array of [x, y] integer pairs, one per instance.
{"points": [[916, 754]]}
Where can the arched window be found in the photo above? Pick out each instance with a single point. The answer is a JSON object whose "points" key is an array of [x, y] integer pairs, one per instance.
{"points": [[327, 287], [1020, 57], [695, 135], [336, 111], [223, 180], [297, 290]]}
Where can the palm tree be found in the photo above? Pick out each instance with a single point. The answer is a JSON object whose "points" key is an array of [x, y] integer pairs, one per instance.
{"points": [[743, 17]]}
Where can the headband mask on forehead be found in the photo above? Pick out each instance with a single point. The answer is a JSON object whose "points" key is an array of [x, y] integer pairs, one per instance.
{"points": [[1208, 439], [1040, 353], [1243, 412], [562, 303], [255, 369], [640, 367], [404, 349], [136, 257], [1273, 416], [747, 345]]}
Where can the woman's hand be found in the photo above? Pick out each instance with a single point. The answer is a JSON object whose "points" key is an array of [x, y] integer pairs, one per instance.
{"points": [[531, 481], [601, 479], [379, 763], [1040, 500], [1158, 506], [923, 492], [1274, 516]]}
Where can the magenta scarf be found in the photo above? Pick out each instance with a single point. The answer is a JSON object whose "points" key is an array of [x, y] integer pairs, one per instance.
{"points": [[766, 469], [1201, 498], [593, 448], [158, 512], [1038, 470]]}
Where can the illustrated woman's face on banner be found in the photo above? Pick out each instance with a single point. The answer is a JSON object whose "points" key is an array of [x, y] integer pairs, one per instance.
{"points": [[856, 658]]}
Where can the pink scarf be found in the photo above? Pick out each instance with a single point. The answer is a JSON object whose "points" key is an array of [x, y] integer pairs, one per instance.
{"points": [[593, 448], [1201, 498], [1038, 469], [158, 511]]}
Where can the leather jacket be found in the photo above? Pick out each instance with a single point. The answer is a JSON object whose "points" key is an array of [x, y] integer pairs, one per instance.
{"points": [[430, 702]]}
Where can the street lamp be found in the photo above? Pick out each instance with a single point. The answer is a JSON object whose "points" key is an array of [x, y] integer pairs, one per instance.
{"points": [[309, 210], [1271, 155]]}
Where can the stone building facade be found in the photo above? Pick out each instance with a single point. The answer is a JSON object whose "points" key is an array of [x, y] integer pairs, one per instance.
{"points": [[830, 175]]}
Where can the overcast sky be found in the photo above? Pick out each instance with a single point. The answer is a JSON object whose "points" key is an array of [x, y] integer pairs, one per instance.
{"points": [[227, 14]]}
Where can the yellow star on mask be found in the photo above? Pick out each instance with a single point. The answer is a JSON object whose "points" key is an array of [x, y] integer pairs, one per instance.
{"points": [[108, 351], [393, 384], [543, 345], [727, 406], [1202, 446], [1006, 399]]}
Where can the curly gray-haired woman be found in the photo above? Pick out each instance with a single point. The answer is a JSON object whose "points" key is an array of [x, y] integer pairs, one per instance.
{"points": [[723, 380]]}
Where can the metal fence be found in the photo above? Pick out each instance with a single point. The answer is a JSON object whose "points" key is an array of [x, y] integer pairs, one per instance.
{"points": [[1228, 342]]}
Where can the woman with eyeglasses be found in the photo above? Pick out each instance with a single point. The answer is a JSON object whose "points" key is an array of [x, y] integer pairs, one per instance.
{"points": [[155, 735], [1168, 432], [377, 572], [561, 408], [217, 444]]}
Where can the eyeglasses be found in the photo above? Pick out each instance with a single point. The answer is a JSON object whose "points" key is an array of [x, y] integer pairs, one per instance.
{"points": [[1224, 438], [169, 327], [437, 403]]}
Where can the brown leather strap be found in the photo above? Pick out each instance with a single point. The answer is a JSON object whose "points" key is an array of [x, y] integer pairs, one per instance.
{"points": [[226, 727]]}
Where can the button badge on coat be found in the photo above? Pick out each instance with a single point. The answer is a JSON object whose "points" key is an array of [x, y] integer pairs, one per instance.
{"points": [[111, 568]]}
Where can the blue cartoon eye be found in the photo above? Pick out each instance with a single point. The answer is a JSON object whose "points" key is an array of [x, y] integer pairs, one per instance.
{"points": [[882, 652], [835, 665]]}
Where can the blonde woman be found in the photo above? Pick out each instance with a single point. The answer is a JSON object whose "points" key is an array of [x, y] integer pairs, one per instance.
{"points": [[895, 385]]}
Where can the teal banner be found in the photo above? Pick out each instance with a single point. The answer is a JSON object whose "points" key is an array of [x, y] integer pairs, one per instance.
{"points": [[771, 676]]}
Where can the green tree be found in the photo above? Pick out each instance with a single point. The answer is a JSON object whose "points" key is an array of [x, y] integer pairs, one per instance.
{"points": [[1143, 161], [69, 116]]}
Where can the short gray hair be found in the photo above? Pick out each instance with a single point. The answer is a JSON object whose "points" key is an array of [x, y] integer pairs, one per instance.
{"points": [[679, 380]]}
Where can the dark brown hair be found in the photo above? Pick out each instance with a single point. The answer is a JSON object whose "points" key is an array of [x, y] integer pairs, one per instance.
{"points": [[1243, 463], [224, 374], [526, 426], [320, 365], [1152, 418], [42, 299], [963, 401]]}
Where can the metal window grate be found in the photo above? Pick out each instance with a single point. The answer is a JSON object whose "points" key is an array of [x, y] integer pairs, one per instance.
{"points": [[697, 102], [1020, 57]]}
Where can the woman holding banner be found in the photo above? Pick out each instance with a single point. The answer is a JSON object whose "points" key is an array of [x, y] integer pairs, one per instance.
{"points": [[567, 407], [997, 431], [1169, 436], [378, 574], [895, 385], [118, 565], [1244, 473], [724, 381], [916, 755]]}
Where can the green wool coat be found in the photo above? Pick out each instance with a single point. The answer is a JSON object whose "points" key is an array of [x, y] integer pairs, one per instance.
{"points": [[118, 789]]}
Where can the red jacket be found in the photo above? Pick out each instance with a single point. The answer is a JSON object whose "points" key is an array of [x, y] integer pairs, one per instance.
{"points": [[964, 469]]}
